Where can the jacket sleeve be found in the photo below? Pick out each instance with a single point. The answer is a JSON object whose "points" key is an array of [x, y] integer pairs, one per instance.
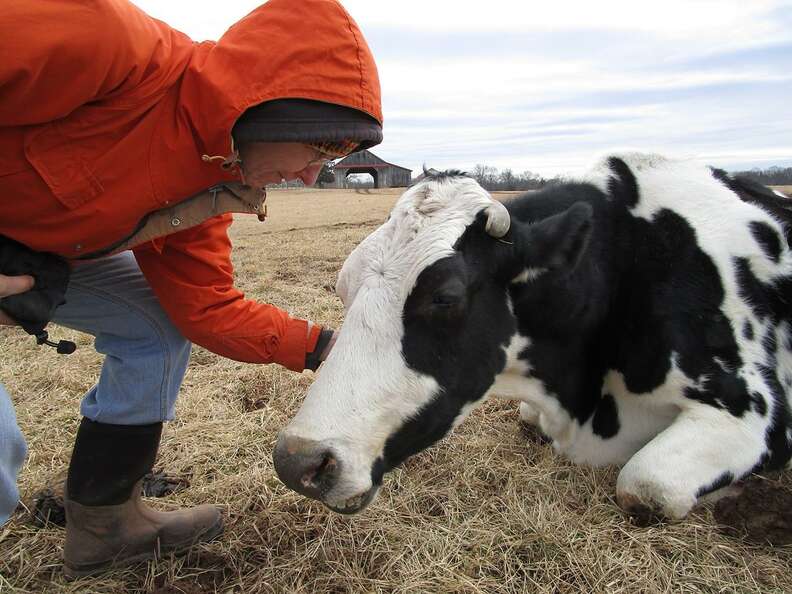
{"points": [[56, 55], [192, 275]]}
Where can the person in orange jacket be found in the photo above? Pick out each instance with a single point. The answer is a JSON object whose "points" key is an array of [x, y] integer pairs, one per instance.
{"points": [[125, 147]]}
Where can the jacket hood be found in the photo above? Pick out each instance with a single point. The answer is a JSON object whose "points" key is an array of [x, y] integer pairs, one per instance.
{"points": [[284, 49]]}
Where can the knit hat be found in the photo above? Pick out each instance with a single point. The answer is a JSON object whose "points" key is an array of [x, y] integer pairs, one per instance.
{"points": [[334, 129]]}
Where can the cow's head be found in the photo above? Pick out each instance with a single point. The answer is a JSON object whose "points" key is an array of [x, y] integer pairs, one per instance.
{"points": [[428, 320]]}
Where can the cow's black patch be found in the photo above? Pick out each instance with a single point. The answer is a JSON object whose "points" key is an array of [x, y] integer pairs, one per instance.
{"points": [[723, 390], [759, 404], [770, 345], [377, 471], [779, 448], [769, 302], [751, 289], [606, 418], [456, 319], [754, 193], [670, 303], [623, 186], [724, 480], [748, 331], [768, 239], [443, 175]]}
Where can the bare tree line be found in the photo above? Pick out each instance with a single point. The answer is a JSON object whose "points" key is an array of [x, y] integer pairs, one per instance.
{"points": [[773, 176], [493, 179]]}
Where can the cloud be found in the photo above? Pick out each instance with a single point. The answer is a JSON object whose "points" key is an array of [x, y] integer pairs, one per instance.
{"points": [[549, 86]]}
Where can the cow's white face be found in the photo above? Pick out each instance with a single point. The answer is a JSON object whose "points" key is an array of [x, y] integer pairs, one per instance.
{"points": [[427, 324]]}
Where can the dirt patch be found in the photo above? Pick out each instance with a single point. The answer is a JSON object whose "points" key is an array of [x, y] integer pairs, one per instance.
{"points": [[761, 513], [48, 509], [159, 484]]}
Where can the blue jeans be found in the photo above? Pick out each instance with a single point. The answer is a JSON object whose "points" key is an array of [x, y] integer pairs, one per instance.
{"points": [[145, 358]]}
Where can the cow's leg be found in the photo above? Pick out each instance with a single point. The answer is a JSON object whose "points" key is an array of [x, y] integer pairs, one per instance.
{"points": [[529, 413], [610, 436], [618, 428], [704, 449]]}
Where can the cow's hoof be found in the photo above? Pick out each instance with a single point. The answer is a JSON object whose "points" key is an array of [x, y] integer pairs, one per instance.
{"points": [[641, 513]]}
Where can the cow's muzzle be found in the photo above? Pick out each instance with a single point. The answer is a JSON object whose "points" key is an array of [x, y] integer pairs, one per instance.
{"points": [[306, 466], [313, 469]]}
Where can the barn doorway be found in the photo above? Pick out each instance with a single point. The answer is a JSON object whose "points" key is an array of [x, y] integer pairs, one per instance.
{"points": [[362, 177]]}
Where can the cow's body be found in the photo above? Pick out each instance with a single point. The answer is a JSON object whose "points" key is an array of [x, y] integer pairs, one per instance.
{"points": [[641, 315], [696, 336]]}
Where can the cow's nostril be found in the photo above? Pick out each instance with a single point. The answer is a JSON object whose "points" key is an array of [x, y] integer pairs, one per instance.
{"points": [[306, 466], [322, 473]]}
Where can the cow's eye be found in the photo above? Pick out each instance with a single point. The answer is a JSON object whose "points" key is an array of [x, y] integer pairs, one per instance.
{"points": [[446, 299]]}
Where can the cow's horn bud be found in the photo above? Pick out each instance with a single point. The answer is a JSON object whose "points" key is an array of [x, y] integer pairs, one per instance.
{"points": [[498, 219]]}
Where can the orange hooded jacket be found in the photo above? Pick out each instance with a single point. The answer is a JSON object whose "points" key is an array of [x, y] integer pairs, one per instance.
{"points": [[105, 114]]}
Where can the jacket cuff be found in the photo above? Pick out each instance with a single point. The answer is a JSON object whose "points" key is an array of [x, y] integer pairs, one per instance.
{"points": [[313, 359], [300, 338]]}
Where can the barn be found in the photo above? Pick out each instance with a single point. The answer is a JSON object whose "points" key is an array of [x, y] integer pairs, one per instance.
{"points": [[386, 175]]}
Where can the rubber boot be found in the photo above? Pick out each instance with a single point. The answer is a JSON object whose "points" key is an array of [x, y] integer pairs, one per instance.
{"points": [[107, 523]]}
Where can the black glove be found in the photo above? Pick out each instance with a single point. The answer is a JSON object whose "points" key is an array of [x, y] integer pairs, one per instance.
{"points": [[34, 308], [314, 358]]}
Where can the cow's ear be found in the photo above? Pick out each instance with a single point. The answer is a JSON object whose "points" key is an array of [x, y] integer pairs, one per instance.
{"points": [[558, 242]]}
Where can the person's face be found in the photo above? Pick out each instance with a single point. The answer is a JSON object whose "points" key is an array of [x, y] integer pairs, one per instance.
{"points": [[271, 162]]}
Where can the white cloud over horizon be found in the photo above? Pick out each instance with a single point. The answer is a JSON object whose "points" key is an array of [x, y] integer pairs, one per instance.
{"points": [[548, 87]]}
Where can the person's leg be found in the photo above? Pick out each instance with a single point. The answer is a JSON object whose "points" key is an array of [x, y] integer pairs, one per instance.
{"points": [[145, 355], [12, 455], [116, 444]]}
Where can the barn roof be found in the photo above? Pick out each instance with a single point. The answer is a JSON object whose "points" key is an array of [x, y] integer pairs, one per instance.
{"points": [[366, 158]]}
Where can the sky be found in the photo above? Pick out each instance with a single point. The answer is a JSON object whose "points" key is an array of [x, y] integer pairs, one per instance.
{"points": [[549, 86]]}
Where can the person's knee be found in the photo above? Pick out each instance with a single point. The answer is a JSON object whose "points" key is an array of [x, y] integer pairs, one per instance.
{"points": [[141, 375]]}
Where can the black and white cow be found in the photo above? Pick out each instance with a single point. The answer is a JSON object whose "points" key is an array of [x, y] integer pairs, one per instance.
{"points": [[643, 316]]}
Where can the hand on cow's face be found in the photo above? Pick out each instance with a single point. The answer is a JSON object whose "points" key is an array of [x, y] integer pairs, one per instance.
{"points": [[265, 163]]}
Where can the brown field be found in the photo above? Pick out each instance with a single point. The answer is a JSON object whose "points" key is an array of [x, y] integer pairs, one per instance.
{"points": [[487, 510], [785, 189]]}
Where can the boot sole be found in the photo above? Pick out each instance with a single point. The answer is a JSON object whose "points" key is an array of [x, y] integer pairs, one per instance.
{"points": [[73, 573]]}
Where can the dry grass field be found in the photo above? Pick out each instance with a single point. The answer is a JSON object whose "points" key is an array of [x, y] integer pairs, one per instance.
{"points": [[490, 509]]}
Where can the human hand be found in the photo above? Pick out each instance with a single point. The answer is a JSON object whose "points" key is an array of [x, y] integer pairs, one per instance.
{"points": [[13, 285]]}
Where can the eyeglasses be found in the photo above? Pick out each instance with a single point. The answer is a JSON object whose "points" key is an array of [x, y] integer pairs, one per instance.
{"points": [[236, 161]]}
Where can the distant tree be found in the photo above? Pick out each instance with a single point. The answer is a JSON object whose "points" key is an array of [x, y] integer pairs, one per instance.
{"points": [[507, 180], [485, 175], [773, 176], [527, 180]]}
